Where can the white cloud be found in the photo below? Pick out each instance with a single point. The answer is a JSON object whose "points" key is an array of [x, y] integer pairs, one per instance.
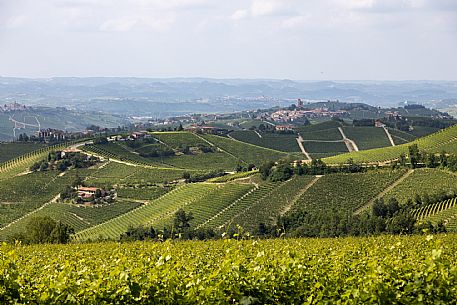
{"points": [[126, 24], [239, 14], [270, 7], [294, 22]]}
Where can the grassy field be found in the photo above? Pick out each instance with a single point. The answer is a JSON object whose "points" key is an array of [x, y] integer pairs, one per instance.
{"points": [[375, 270]]}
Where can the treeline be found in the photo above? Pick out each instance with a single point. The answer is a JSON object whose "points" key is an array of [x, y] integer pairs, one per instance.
{"points": [[58, 160], [44, 230], [180, 229], [384, 217], [407, 123], [199, 177], [416, 159], [283, 170]]}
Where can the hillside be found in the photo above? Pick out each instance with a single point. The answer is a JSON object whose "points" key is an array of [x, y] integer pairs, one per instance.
{"points": [[444, 140], [151, 189], [56, 118]]}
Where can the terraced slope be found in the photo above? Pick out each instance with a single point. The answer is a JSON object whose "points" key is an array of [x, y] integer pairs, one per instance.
{"points": [[149, 214], [445, 139]]}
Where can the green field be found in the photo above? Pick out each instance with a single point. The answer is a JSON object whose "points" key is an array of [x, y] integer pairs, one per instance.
{"points": [[376, 270]]}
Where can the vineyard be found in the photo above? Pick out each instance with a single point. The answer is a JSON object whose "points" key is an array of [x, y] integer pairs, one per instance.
{"points": [[20, 195], [281, 142], [21, 163], [423, 181], [245, 152], [268, 209], [77, 217], [345, 192], [367, 137], [376, 270], [150, 213], [434, 143], [10, 151]]}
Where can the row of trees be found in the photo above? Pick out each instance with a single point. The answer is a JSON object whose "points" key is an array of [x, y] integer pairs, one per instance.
{"points": [[61, 161], [283, 170], [416, 158], [384, 217], [45, 230], [180, 229]]}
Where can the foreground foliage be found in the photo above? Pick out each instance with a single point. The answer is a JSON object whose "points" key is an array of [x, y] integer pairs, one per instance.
{"points": [[381, 270]]}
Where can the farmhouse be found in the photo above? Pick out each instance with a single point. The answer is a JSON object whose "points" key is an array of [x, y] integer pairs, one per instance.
{"points": [[208, 130], [49, 134], [89, 192], [139, 135], [284, 127], [379, 124]]}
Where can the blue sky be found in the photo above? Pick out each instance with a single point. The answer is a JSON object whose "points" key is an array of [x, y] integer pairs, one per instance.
{"points": [[283, 39]]}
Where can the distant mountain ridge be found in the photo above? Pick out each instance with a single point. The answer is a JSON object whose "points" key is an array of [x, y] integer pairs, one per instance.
{"points": [[153, 96]]}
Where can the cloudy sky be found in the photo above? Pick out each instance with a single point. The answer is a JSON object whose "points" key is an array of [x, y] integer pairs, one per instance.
{"points": [[284, 39]]}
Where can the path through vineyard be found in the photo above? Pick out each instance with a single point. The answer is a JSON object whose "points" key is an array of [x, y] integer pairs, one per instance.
{"points": [[298, 196], [302, 148], [350, 144], [384, 192]]}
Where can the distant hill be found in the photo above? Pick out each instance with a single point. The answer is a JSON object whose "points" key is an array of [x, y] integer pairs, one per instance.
{"points": [[167, 97], [57, 118]]}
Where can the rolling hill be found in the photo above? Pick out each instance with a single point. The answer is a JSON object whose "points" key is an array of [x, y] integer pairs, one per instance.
{"points": [[151, 189]]}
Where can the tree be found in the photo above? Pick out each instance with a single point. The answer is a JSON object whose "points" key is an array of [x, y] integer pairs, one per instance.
{"points": [[181, 221], [282, 172], [138, 233], [180, 128], [43, 229], [265, 170], [431, 161], [414, 155]]}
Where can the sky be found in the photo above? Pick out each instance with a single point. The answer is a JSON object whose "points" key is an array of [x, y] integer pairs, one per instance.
{"points": [[274, 39]]}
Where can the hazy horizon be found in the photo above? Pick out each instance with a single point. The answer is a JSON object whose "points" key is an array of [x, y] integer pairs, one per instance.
{"points": [[341, 40]]}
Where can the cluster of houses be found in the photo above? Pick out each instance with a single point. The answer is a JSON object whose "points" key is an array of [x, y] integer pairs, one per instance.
{"points": [[284, 116], [12, 107], [93, 195]]}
